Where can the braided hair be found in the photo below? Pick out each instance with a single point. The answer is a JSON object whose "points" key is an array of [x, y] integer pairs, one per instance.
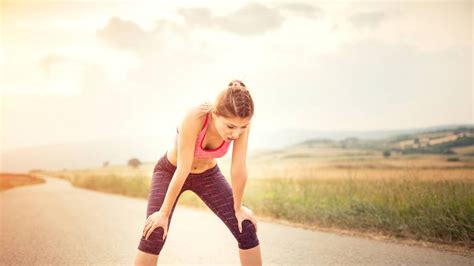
{"points": [[235, 101]]}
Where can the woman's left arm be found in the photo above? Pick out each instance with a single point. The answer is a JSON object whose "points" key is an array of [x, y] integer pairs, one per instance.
{"points": [[238, 171], [238, 168]]}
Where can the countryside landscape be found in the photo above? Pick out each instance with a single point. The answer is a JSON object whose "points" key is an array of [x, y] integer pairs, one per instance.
{"points": [[414, 187], [361, 150]]}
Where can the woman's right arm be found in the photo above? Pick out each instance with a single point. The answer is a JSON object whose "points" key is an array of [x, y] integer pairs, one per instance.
{"points": [[189, 129]]}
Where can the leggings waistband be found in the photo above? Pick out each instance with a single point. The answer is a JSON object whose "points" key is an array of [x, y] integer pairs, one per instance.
{"points": [[164, 163]]}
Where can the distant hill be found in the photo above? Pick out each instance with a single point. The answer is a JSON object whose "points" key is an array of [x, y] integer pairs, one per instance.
{"points": [[117, 150], [441, 140], [290, 137]]}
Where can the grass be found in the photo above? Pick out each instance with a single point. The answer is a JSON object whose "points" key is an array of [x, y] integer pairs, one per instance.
{"points": [[10, 180], [439, 211], [403, 197]]}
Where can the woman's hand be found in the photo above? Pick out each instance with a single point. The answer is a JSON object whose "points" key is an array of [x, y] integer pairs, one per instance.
{"points": [[155, 220], [244, 213]]}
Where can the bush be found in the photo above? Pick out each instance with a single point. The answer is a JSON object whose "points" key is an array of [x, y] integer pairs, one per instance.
{"points": [[134, 162], [453, 159]]}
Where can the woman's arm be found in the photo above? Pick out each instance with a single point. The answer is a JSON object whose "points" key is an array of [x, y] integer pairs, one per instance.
{"points": [[187, 138], [238, 168]]}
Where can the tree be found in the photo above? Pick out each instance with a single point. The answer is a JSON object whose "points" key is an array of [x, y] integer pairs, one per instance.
{"points": [[134, 162]]}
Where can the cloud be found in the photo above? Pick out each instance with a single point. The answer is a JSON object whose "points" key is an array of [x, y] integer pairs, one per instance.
{"points": [[200, 17], [433, 26], [162, 54], [250, 20], [71, 74], [368, 19], [253, 19], [49, 61], [127, 35], [303, 9]]}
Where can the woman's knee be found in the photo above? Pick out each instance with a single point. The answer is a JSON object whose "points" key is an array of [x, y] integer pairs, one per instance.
{"points": [[248, 238], [154, 243]]}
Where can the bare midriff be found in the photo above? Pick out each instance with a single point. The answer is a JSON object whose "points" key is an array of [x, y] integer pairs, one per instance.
{"points": [[199, 165]]}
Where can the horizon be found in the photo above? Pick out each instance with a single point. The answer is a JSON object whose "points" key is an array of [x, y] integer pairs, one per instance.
{"points": [[413, 129], [116, 151]]}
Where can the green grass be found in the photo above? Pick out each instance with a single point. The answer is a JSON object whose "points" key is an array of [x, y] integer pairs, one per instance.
{"points": [[437, 211]]}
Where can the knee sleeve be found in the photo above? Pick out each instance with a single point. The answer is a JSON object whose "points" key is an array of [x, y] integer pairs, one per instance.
{"points": [[154, 243], [248, 238]]}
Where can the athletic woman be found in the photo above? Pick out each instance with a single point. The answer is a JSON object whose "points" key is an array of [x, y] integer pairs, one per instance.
{"points": [[204, 134]]}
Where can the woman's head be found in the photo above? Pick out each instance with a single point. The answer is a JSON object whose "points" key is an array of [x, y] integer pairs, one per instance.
{"points": [[234, 101], [233, 110]]}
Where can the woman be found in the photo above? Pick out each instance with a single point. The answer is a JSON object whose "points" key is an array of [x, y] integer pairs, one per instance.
{"points": [[205, 133]]}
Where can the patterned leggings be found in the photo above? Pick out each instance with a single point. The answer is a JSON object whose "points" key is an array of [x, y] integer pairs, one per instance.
{"points": [[212, 187]]}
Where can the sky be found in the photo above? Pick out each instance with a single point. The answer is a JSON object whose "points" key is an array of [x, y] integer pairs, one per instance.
{"points": [[84, 70]]}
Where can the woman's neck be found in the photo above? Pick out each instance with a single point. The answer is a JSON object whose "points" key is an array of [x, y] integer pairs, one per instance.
{"points": [[212, 131]]}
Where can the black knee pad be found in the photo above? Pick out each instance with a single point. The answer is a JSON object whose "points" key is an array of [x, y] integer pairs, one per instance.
{"points": [[154, 243], [248, 238]]}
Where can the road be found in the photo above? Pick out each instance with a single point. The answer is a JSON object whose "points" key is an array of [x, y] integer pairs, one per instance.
{"points": [[57, 224]]}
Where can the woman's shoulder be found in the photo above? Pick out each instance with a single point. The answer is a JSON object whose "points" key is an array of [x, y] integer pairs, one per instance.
{"points": [[200, 110], [203, 108], [195, 116]]}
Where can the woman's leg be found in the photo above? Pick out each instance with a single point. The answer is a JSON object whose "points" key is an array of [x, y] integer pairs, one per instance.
{"points": [[216, 193], [149, 249], [145, 259], [250, 256]]}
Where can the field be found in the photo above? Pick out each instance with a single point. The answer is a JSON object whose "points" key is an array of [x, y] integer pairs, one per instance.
{"points": [[10, 180], [421, 197]]}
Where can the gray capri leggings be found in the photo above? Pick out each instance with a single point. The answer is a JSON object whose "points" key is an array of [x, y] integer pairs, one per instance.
{"points": [[212, 187]]}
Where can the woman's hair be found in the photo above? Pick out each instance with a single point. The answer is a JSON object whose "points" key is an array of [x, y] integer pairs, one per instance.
{"points": [[234, 101]]}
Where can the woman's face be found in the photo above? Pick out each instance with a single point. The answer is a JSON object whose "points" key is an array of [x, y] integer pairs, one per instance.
{"points": [[231, 128]]}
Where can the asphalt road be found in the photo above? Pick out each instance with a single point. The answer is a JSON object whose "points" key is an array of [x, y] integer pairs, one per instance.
{"points": [[57, 224]]}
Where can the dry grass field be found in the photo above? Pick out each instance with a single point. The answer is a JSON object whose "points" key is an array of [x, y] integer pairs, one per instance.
{"points": [[9, 180], [327, 164], [422, 197]]}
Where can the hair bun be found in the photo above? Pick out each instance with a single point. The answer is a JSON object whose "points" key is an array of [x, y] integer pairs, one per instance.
{"points": [[239, 83]]}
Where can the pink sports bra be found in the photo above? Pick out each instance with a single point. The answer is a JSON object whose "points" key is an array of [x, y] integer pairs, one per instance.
{"points": [[200, 152]]}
